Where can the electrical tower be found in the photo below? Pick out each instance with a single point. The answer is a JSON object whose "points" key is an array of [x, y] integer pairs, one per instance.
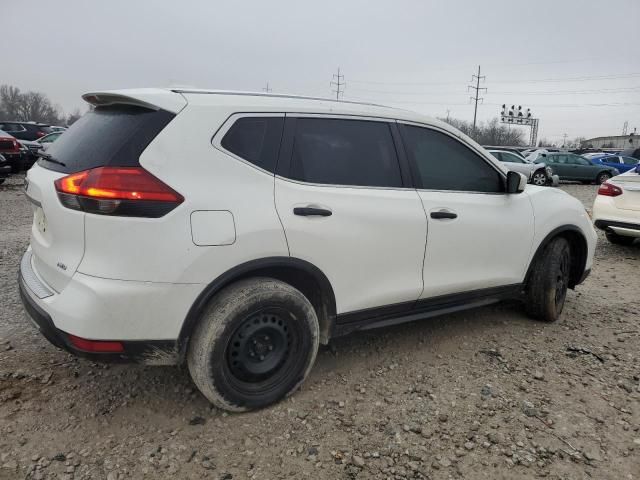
{"points": [[267, 89], [476, 97], [564, 139], [625, 127], [338, 81]]}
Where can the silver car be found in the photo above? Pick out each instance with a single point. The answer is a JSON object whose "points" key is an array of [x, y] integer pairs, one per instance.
{"points": [[537, 173]]}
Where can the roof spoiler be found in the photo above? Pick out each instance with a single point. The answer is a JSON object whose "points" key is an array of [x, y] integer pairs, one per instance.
{"points": [[151, 98]]}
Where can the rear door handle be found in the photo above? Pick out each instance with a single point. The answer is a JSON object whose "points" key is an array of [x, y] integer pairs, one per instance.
{"points": [[443, 215], [312, 211]]}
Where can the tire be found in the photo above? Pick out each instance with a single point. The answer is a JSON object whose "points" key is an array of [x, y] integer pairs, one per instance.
{"points": [[547, 286], [619, 239], [255, 344], [2, 180], [539, 178], [602, 177]]}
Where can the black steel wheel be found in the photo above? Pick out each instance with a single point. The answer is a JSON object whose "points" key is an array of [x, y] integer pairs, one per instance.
{"points": [[256, 343], [546, 289]]}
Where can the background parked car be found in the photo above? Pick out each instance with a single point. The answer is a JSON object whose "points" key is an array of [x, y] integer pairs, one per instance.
{"points": [[569, 166], [616, 209], [57, 128], [31, 153], [13, 151], [5, 169], [26, 130], [619, 162], [49, 139], [536, 173]]}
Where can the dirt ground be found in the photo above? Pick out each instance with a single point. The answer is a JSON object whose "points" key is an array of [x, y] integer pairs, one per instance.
{"points": [[482, 394]]}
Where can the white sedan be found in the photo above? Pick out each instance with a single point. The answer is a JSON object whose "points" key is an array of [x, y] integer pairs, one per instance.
{"points": [[616, 209]]}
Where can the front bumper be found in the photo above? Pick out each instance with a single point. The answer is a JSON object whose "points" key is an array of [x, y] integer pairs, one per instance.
{"points": [[109, 310]]}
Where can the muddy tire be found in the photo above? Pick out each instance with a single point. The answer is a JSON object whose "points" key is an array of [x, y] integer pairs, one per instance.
{"points": [[255, 344], [547, 286]]}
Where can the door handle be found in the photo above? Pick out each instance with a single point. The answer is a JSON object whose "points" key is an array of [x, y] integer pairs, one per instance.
{"points": [[443, 215], [312, 211]]}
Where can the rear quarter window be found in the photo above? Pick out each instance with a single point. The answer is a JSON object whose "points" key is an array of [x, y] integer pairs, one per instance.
{"points": [[256, 140], [114, 136]]}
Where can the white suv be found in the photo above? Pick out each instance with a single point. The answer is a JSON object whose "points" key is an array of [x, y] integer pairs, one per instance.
{"points": [[235, 232]]}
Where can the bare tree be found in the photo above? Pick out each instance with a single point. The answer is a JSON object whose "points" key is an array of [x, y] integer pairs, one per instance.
{"points": [[490, 133], [29, 106]]}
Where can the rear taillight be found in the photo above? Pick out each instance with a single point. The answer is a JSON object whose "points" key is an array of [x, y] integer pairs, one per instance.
{"points": [[121, 191], [609, 190]]}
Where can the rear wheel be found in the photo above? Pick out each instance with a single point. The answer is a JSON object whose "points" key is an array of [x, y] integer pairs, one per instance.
{"points": [[255, 344], [619, 239], [602, 177], [547, 286]]}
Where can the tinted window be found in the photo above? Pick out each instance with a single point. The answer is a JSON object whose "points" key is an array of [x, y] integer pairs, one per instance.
{"points": [[344, 152], [443, 163], [115, 135], [255, 139], [12, 127], [629, 160]]}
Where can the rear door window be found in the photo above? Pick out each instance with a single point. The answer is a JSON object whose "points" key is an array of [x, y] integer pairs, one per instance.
{"points": [[256, 140], [344, 152], [113, 135]]}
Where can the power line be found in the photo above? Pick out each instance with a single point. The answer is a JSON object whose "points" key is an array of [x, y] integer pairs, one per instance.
{"points": [[565, 79], [477, 89], [337, 80], [551, 92]]}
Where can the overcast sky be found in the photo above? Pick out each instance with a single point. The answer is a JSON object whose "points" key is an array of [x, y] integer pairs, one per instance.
{"points": [[576, 63]]}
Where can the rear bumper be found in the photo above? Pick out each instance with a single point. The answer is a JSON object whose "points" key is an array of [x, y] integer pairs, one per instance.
{"points": [[159, 352], [621, 228], [100, 309]]}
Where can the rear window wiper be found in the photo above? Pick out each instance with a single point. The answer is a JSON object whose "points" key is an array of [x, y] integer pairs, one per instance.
{"points": [[49, 158]]}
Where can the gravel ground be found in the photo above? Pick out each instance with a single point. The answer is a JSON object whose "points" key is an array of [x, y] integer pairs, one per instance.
{"points": [[486, 393]]}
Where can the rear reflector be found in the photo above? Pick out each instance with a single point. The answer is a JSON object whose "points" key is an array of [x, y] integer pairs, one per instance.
{"points": [[609, 190], [124, 191], [95, 346]]}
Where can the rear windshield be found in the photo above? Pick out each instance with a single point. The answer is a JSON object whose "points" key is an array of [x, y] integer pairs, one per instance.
{"points": [[113, 135]]}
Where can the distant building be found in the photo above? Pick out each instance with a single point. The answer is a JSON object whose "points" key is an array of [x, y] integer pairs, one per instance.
{"points": [[621, 142]]}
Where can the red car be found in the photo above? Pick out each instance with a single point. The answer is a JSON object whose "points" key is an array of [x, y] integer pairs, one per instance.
{"points": [[12, 151]]}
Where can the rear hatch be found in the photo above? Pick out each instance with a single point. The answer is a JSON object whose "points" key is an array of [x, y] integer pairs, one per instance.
{"points": [[630, 184], [112, 135]]}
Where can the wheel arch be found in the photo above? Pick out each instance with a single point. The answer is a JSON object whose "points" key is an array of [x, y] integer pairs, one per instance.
{"points": [[300, 274], [579, 252]]}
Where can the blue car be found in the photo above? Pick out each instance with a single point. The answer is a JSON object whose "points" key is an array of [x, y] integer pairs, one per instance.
{"points": [[620, 162]]}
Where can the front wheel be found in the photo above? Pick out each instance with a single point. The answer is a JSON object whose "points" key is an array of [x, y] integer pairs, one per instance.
{"points": [[539, 178], [549, 280], [619, 239], [602, 177], [255, 344]]}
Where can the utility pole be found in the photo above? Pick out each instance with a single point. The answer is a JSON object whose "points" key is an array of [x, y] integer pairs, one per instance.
{"points": [[476, 97], [338, 81], [267, 89], [564, 139], [448, 115]]}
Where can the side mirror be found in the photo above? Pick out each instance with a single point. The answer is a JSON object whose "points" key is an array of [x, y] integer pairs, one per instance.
{"points": [[516, 182]]}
